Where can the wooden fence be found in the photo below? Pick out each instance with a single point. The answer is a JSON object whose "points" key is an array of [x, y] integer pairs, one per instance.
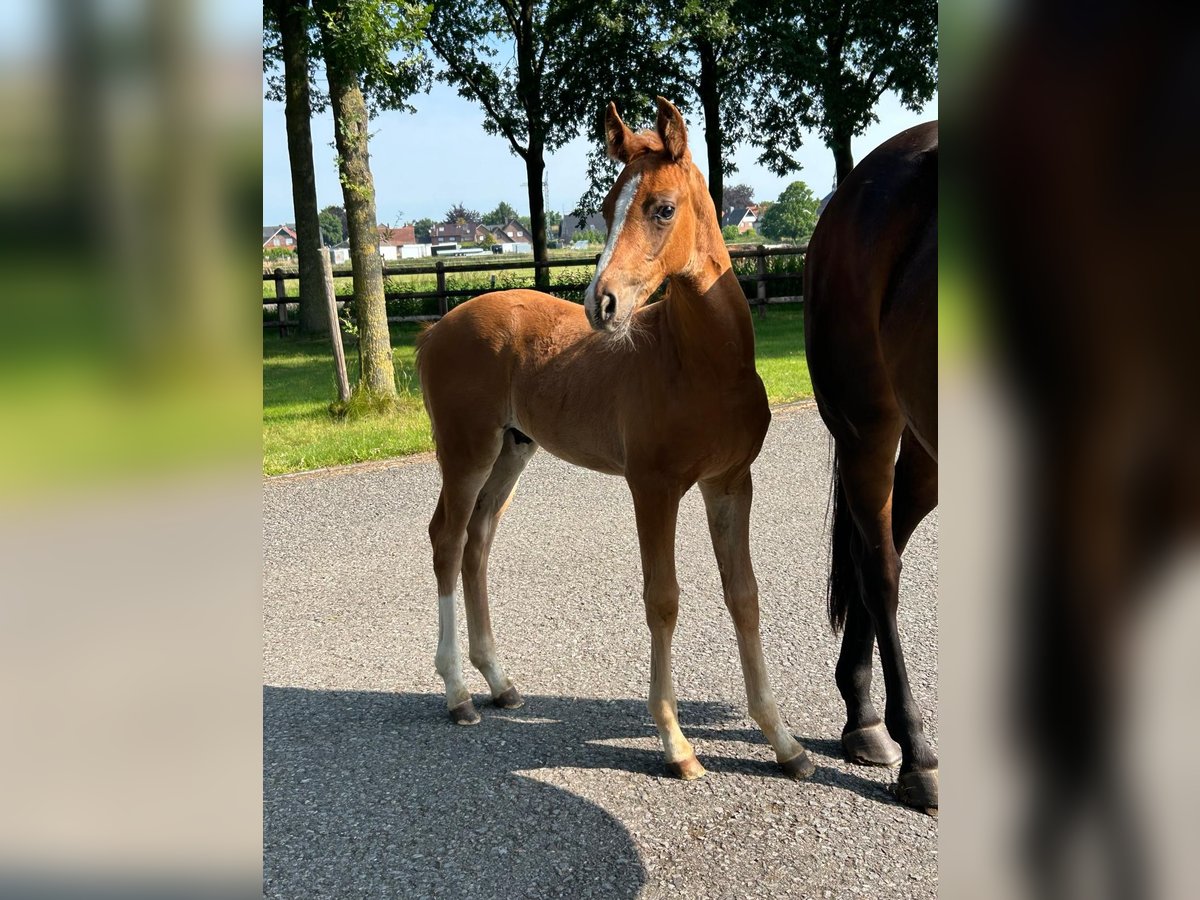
{"points": [[757, 298]]}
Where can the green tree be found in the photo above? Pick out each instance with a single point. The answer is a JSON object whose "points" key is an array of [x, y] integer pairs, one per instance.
{"points": [[372, 49], [331, 228], [793, 216], [422, 228], [553, 219], [286, 49], [340, 214], [541, 70], [826, 64], [501, 215]]}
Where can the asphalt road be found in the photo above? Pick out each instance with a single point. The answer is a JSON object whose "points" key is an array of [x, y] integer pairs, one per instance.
{"points": [[370, 790]]}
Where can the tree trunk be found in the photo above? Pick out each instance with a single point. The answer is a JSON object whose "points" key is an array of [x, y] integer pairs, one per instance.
{"points": [[297, 113], [535, 169], [710, 103], [843, 158], [529, 86], [377, 376]]}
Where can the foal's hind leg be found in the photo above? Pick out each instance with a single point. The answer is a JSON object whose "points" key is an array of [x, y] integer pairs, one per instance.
{"points": [[728, 506], [493, 501], [867, 473], [466, 466], [914, 494]]}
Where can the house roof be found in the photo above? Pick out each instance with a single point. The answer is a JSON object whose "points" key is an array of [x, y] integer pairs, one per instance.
{"points": [[520, 227], [397, 235], [449, 228], [269, 231], [824, 203], [736, 215]]}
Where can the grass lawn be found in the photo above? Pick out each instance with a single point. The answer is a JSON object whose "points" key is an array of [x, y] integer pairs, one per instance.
{"points": [[298, 385]]}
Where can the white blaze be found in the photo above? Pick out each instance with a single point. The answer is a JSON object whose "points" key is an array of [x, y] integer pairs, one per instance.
{"points": [[624, 201]]}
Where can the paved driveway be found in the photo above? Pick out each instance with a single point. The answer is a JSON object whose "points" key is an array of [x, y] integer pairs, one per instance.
{"points": [[370, 791]]}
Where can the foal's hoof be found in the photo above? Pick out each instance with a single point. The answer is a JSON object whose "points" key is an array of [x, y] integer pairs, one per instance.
{"points": [[510, 699], [918, 789], [688, 769], [870, 746], [799, 767], [464, 714]]}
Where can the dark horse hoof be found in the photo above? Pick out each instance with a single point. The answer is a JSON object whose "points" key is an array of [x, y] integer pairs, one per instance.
{"points": [[799, 767], [510, 699], [464, 714], [870, 746], [918, 789]]}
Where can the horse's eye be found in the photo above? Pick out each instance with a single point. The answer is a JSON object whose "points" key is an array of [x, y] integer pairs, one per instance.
{"points": [[664, 213]]}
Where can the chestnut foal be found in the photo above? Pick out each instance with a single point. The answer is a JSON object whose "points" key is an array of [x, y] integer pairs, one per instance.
{"points": [[665, 395]]}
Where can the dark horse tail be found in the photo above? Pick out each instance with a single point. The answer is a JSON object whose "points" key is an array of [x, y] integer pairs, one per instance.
{"points": [[844, 586]]}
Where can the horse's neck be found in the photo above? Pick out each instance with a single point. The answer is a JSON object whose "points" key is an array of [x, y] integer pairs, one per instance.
{"points": [[712, 329]]}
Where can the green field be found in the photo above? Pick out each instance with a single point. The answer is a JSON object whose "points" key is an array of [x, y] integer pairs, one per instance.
{"points": [[298, 385]]}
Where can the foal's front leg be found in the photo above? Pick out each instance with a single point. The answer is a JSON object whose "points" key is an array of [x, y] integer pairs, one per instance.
{"points": [[656, 507], [728, 506]]}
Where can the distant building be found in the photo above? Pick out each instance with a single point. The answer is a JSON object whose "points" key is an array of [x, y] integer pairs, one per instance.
{"points": [[570, 225], [744, 218], [392, 241], [513, 233], [455, 232], [279, 236], [824, 203], [397, 242]]}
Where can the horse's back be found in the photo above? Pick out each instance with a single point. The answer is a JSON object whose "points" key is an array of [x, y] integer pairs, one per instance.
{"points": [[870, 283], [465, 360]]}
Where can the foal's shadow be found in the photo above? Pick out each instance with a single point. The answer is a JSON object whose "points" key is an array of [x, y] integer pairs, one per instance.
{"points": [[379, 794]]}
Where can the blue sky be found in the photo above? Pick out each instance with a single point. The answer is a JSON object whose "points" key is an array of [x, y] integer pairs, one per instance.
{"points": [[424, 163]]}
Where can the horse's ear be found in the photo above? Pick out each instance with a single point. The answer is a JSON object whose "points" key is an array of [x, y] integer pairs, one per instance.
{"points": [[671, 129], [616, 135]]}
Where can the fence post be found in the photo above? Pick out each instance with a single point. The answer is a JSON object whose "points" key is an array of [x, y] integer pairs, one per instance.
{"points": [[281, 302], [443, 305], [335, 330], [761, 260]]}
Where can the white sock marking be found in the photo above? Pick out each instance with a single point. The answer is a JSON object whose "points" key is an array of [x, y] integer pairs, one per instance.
{"points": [[448, 661]]}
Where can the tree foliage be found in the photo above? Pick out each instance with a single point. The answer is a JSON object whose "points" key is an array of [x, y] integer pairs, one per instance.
{"points": [[422, 228], [793, 216], [340, 213], [383, 42], [738, 196], [501, 215], [461, 215], [710, 46], [331, 228], [829, 62], [542, 70]]}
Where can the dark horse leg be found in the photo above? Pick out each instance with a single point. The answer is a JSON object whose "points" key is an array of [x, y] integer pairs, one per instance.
{"points": [[914, 494], [867, 475]]}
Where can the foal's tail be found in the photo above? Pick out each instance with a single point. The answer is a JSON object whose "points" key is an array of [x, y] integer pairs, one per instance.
{"points": [[843, 587]]}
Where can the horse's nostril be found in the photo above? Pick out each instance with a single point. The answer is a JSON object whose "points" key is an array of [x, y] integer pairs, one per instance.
{"points": [[608, 308]]}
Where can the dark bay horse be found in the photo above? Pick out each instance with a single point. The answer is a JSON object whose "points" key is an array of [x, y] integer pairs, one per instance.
{"points": [[870, 331]]}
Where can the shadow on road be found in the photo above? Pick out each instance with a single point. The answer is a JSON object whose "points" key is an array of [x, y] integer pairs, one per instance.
{"points": [[379, 794]]}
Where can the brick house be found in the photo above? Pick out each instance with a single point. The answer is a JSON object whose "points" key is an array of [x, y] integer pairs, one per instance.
{"points": [[279, 236]]}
